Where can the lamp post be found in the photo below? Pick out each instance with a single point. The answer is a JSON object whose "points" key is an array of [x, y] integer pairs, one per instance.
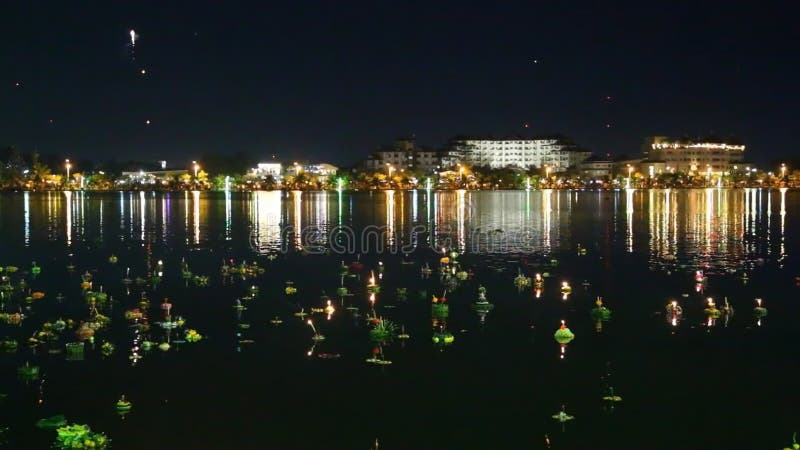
{"points": [[68, 166], [783, 170], [389, 169], [195, 166]]}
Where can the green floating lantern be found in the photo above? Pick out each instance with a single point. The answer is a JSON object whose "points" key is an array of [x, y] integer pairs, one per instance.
{"points": [[440, 309], [193, 336], [759, 310], [521, 281], [74, 351], [80, 437], [443, 338], [711, 310], [795, 445], [382, 330], [123, 405], [107, 349], [563, 335], [28, 372], [600, 313], [35, 270], [8, 345]]}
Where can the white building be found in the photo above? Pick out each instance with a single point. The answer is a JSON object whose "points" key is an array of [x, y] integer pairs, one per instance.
{"points": [[321, 169], [403, 154], [694, 155], [595, 167], [554, 152], [269, 169]]}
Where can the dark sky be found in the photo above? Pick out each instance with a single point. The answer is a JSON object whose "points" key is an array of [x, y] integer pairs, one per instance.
{"points": [[332, 80]]}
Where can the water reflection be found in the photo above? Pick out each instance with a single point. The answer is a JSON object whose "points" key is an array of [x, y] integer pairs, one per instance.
{"points": [[718, 228], [783, 224], [27, 217], [196, 215], [68, 197], [712, 228], [265, 218], [390, 220]]}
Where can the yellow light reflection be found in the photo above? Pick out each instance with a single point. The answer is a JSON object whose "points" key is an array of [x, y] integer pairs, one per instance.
{"points": [[142, 219], [27, 217], [462, 207], [266, 217], [390, 231], [196, 215], [297, 199], [783, 222], [547, 209], [68, 196], [228, 216], [629, 216]]}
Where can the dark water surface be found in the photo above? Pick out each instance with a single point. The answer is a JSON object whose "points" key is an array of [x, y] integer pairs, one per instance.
{"points": [[694, 383]]}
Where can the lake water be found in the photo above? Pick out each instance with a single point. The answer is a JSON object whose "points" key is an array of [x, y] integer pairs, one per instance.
{"points": [[691, 382]]}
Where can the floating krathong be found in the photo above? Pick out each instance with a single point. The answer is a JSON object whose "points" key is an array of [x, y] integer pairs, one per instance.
{"points": [[563, 335], [521, 281], [107, 349], [711, 309], [760, 310], [439, 307], [80, 437], [562, 415], [28, 372], [123, 405], [317, 336], [699, 277], [600, 312], [443, 338], [611, 397], [382, 330], [192, 336]]}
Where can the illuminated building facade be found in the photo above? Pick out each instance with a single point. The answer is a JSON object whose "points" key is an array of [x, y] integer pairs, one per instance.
{"points": [[554, 152], [403, 154], [695, 155]]}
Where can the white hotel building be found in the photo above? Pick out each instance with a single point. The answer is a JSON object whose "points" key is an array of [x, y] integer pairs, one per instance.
{"points": [[554, 152], [694, 155]]}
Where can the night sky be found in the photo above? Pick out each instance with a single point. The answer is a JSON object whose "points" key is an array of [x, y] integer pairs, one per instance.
{"points": [[330, 81]]}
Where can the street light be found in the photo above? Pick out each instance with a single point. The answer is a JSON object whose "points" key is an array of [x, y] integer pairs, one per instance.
{"points": [[389, 169], [783, 170], [194, 164]]}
